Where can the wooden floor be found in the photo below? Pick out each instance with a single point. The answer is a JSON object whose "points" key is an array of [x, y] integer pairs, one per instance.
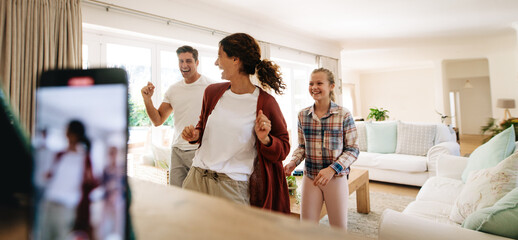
{"points": [[468, 143], [405, 190]]}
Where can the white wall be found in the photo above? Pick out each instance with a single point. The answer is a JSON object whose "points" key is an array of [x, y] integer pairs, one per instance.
{"points": [[198, 14], [408, 94], [467, 68], [475, 104], [500, 51], [352, 77]]}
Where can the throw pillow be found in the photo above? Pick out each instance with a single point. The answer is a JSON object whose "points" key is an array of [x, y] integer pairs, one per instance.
{"points": [[362, 135], [491, 153], [381, 137], [415, 139], [500, 219], [485, 187]]}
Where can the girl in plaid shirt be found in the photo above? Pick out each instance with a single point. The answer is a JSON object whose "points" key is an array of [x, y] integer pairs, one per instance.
{"points": [[328, 142]]}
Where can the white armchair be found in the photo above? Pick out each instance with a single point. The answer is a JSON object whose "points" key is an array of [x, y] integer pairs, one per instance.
{"points": [[437, 152], [451, 166]]}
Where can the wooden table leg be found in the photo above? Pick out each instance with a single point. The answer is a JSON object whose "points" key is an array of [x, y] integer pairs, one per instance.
{"points": [[363, 198]]}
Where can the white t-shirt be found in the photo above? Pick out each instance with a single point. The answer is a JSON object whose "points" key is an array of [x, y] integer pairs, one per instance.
{"points": [[186, 100], [67, 177], [229, 137]]}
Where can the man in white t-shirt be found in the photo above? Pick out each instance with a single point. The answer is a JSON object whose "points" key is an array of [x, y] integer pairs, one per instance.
{"points": [[185, 99]]}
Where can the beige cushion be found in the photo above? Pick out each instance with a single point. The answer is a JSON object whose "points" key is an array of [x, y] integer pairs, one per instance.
{"points": [[485, 187], [415, 139]]}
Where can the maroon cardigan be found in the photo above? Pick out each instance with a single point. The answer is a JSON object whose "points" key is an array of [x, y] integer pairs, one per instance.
{"points": [[268, 187]]}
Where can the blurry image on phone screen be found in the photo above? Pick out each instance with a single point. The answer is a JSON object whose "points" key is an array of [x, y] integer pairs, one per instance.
{"points": [[80, 155]]}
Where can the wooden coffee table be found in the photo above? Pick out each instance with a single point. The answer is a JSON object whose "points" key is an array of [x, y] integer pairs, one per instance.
{"points": [[358, 182]]}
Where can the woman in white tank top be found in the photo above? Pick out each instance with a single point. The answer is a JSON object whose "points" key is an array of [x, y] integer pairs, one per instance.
{"points": [[242, 133]]}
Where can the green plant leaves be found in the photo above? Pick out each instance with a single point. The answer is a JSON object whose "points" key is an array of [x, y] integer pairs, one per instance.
{"points": [[138, 116], [378, 114], [493, 128]]}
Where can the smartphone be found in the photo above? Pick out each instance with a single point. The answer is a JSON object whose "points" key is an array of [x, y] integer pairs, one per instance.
{"points": [[80, 147]]}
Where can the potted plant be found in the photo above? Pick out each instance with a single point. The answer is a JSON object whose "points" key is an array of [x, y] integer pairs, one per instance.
{"points": [[378, 114], [493, 128], [292, 184]]}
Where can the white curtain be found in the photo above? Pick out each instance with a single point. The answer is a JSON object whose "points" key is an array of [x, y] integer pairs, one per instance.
{"points": [[265, 50], [37, 35], [332, 65], [265, 54], [348, 97]]}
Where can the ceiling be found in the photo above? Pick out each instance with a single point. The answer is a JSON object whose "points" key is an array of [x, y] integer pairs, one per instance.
{"points": [[356, 22]]}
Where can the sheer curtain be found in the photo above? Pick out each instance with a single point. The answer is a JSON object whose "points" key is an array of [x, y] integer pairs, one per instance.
{"points": [[37, 35], [265, 54], [349, 98]]}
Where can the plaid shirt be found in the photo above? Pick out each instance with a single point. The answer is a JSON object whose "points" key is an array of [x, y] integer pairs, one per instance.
{"points": [[328, 141]]}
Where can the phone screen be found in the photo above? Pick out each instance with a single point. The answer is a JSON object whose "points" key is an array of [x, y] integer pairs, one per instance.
{"points": [[80, 155]]}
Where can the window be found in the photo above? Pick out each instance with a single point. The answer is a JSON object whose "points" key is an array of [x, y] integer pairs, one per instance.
{"points": [[296, 96], [155, 60], [137, 63], [145, 60], [169, 75], [207, 64]]}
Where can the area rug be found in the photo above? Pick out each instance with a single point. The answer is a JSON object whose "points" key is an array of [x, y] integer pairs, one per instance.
{"points": [[367, 224]]}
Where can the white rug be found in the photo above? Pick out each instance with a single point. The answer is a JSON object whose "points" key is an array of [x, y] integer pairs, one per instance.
{"points": [[367, 224]]}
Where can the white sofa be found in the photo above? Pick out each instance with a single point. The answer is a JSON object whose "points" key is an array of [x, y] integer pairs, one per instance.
{"points": [[407, 169], [428, 217]]}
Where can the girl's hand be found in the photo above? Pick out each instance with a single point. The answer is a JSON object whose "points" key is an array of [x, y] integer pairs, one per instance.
{"points": [[262, 128], [324, 176], [289, 168], [190, 134]]}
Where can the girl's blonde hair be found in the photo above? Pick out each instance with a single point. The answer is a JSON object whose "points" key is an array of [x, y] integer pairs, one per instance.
{"points": [[330, 78]]}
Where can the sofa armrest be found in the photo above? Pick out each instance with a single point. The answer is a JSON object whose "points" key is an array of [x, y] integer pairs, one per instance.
{"points": [[451, 166], [399, 226], [436, 152]]}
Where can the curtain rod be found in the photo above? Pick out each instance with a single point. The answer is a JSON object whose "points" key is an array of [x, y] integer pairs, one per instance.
{"points": [[168, 21]]}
